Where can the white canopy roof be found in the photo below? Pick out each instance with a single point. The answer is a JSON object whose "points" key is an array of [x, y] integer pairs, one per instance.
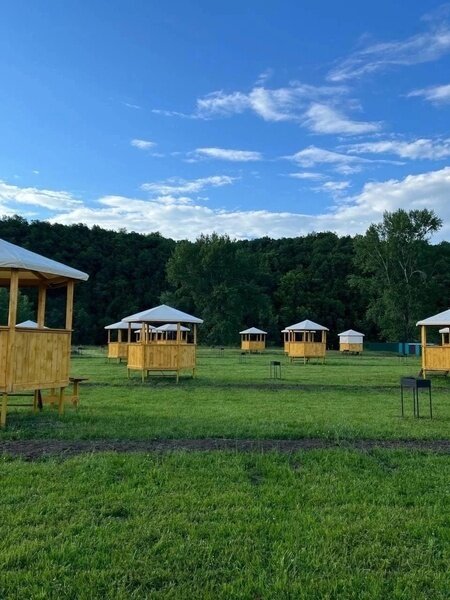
{"points": [[441, 319], [171, 327], [29, 324], [351, 333], [307, 325], [162, 314], [253, 330], [122, 325], [445, 330], [30, 264]]}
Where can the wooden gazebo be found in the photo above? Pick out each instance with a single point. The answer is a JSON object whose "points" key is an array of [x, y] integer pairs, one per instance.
{"points": [[307, 340], [34, 357], [117, 348], [435, 357], [147, 355], [351, 341], [253, 340]]}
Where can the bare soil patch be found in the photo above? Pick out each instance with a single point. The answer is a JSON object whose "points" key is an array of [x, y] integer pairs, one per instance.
{"points": [[36, 449]]}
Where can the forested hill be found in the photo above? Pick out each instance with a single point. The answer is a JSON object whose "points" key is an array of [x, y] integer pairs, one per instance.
{"points": [[230, 284]]}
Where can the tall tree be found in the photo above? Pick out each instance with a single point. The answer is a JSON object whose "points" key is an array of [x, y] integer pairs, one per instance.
{"points": [[221, 281], [391, 259]]}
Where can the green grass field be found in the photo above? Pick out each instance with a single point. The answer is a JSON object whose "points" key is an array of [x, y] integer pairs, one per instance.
{"points": [[347, 398], [335, 523]]}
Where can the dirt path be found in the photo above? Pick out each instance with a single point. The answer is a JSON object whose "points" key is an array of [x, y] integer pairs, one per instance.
{"points": [[35, 449]]}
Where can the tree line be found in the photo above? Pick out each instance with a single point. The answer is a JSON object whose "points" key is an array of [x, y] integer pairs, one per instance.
{"points": [[380, 283]]}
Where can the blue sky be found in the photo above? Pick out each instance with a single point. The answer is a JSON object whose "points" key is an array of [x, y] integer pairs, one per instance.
{"points": [[248, 118]]}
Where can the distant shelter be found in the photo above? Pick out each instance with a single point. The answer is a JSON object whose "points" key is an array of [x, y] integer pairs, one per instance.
{"points": [[174, 355], [307, 340], [351, 341], [253, 340]]}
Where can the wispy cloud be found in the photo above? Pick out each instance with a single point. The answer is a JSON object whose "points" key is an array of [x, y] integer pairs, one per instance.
{"points": [[334, 187], [142, 144], [228, 154], [318, 108], [177, 186], [279, 104], [311, 156], [134, 106], [422, 148], [438, 94], [13, 196], [322, 118], [424, 47], [172, 113], [307, 175]]}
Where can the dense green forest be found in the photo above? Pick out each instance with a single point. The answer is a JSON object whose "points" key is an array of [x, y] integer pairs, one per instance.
{"points": [[379, 283]]}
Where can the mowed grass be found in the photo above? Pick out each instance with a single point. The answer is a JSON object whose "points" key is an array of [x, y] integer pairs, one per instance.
{"points": [[321, 524], [346, 398]]}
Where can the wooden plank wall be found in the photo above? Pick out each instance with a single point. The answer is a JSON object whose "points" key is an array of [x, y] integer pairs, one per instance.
{"points": [[346, 347], [41, 359], [252, 346], [307, 349], [161, 357], [437, 358], [117, 350]]}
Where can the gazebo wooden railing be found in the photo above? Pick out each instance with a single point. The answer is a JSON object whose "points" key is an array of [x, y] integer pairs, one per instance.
{"points": [[35, 357]]}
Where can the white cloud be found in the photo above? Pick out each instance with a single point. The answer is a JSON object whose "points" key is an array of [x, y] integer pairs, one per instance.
{"points": [[307, 175], [334, 186], [438, 94], [183, 218], [130, 105], [421, 48], [322, 118], [314, 107], [142, 144], [177, 186], [12, 195], [227, 154], [279, 104], [423, 148], [311, 156]]}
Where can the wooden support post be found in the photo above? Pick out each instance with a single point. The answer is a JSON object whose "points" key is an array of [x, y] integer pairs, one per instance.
{"points": [[423, 335], [69, 305], [129, 333], [4, 409], [119, 336], [61, 401], [109, 336], [12, 321], [42, 297]]}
